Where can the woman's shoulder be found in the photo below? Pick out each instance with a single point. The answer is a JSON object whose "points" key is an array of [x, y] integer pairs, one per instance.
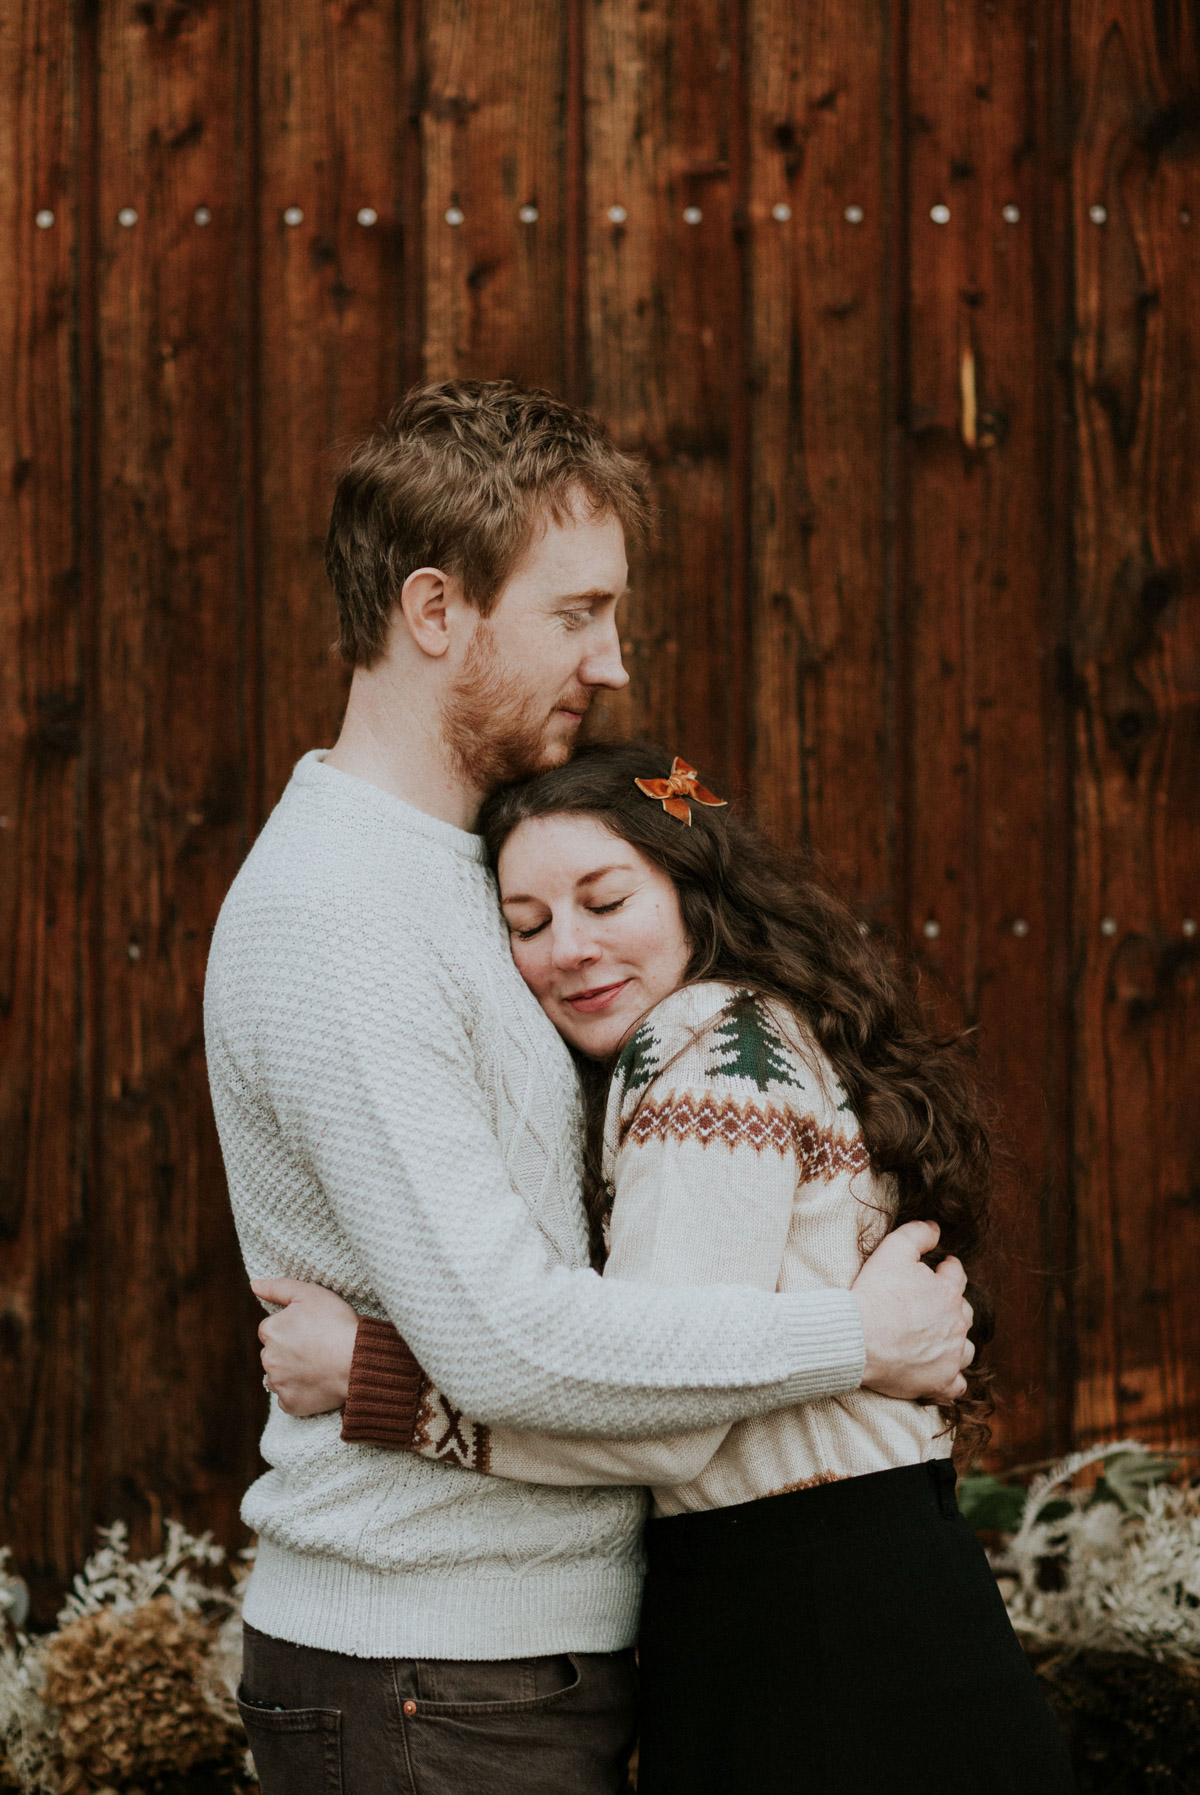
{"points": [[721, 1037]]}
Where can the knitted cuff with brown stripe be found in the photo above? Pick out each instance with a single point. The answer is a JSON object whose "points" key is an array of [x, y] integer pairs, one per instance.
{"points": [[385, 1388]]}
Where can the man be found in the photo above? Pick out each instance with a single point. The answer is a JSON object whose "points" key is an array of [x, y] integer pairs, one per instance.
{"points": [[400, 1123]]}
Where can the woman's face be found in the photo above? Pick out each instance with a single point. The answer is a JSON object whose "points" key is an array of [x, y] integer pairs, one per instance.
{"points": [[595, 929]]}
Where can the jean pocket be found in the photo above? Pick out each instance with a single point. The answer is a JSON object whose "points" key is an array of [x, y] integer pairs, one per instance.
{"points": [[296, 1751], [463, 1688]]}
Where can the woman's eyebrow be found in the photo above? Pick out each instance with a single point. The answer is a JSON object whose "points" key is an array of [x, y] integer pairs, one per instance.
{"points": [[590, 878], [520, 897]]}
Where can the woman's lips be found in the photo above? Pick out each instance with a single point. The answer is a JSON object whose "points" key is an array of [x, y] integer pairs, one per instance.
{"points": [[586, 1003]]}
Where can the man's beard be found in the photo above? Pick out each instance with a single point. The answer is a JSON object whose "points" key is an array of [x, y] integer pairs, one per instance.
{"points": [[495, 733]]}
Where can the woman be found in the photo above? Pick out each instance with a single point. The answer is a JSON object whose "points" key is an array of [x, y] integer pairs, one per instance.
{"points": [[766, 1103]]}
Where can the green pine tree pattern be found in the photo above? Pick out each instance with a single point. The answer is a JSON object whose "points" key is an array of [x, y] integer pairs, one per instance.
{"points": [[747, 1046], [639, 1061], [844, 1107]]}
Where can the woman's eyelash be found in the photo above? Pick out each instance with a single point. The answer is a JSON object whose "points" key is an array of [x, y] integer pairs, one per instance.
{"points": [[596, 910]]}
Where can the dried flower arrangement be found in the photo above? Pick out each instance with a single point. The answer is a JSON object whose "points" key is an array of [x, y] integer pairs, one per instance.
{"points": [[1101, 1576], [136, 1681]]}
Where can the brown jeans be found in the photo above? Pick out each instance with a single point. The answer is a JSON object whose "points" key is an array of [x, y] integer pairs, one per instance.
{"points": [[322, 1723]]}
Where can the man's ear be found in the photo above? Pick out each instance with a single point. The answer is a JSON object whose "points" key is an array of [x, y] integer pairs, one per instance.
{"points": [[423, 605]]}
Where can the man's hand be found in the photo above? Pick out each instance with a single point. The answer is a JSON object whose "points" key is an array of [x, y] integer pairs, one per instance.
{"points": [[307, 1345], [915, 1319]]}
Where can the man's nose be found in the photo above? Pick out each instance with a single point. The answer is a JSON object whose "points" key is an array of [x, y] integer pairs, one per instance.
{"points": [[603, 665]]}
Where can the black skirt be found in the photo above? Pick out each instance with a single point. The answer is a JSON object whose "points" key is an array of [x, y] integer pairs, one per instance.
{"points": [[842, 1640]]}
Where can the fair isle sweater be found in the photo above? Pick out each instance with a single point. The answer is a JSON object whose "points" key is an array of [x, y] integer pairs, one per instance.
{"points": [[400, 1122], [732, 1157]]}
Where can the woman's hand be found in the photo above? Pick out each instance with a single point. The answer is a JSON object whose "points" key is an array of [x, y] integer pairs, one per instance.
{"points": [[307, 1345]]}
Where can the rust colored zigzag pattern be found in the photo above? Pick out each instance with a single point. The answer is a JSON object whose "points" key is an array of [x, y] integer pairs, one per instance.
{"points": [[443, 1432], [682, 1117]]}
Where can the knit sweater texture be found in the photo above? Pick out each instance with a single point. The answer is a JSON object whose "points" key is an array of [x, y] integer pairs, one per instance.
{"points": [[401, 1123], [732, 1154]]}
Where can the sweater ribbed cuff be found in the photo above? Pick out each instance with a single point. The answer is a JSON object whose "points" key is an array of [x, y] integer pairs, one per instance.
{"points": [[385, 1388]]}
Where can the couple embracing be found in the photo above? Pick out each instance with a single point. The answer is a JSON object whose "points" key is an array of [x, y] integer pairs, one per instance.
{"points": [[590, 1160]]}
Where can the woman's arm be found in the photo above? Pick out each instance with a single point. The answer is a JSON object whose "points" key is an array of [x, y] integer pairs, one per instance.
{"points": [[704, 1182]]}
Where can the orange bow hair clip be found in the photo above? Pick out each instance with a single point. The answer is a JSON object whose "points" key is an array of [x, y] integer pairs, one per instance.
{"points": [[673, 793]]}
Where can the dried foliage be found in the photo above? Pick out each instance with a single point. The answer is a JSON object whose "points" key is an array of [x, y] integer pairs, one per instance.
{"points": [[136, 1681], [1109, 1566]]}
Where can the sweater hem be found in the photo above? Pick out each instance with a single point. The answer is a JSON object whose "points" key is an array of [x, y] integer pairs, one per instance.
{"points": [[317, 1600]]}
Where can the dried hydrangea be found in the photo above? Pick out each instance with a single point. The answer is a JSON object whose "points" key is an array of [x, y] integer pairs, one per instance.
{"points": [[136, 1680]]}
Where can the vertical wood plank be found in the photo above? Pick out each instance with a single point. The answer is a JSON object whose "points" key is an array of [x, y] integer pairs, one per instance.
{"points": [[1136, 654], [43, 1373], [821, 709], [663, 310], [986, 784], [333, 99], [175, 1401], [494, 144]]}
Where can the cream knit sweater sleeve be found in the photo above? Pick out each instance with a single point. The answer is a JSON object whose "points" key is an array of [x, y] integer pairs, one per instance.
{"points": [[397, 1129], [681, 1216]]}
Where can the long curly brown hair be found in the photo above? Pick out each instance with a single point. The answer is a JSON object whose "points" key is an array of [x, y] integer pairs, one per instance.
{"points": [[764, 919]]}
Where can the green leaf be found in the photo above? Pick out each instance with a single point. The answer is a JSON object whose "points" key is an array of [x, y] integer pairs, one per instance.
{"points": [[1130, 1476], [990, 1506]]}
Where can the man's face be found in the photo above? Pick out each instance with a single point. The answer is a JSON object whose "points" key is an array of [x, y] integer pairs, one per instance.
{"points": [[533, 666]]}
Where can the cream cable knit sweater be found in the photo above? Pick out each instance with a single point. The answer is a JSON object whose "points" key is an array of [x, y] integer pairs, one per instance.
{"points": [[400, 1123], [732, 1156]]}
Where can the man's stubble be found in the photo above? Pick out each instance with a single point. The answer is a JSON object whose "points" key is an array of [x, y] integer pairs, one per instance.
{"points": [[495, 732]]}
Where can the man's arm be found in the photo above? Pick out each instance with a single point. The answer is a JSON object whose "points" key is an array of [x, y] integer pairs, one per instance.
{"points": [[398, 1133]]}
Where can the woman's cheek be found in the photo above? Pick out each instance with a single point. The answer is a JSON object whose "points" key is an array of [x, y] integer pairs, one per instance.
{"points": [[531, 965]]}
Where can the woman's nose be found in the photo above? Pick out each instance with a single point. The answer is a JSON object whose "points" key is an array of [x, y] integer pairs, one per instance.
{"points": [[572, 946]]}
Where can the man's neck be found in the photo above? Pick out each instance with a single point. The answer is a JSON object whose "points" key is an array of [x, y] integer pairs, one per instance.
{"points": [[395, 741]]}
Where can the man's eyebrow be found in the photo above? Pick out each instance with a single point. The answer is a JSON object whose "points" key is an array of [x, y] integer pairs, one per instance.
{"points": [[520, 897], [597, 593]]}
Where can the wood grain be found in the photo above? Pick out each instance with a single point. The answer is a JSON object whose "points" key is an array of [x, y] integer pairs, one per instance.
{"points": [[43, 1367], [1136, 672], [494, 146], [173, 1399], [333, 98], [981, 627], [663, 311], [821, 700]]}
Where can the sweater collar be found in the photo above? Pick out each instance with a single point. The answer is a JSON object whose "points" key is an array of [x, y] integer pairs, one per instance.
{"points": [[311, 771]]}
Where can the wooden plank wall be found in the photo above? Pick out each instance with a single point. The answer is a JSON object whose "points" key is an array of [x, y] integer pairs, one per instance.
{"points": [[900, 303]]}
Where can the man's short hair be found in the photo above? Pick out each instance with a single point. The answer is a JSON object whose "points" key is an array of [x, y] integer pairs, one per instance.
{"points": [[461, 478]]}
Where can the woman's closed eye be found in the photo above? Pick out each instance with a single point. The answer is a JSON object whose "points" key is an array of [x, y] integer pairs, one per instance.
{"points": [[592, 909], [527, 934]]}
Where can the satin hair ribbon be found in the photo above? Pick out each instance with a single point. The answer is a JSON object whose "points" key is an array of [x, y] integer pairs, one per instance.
{"points": [[673, 793]]}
